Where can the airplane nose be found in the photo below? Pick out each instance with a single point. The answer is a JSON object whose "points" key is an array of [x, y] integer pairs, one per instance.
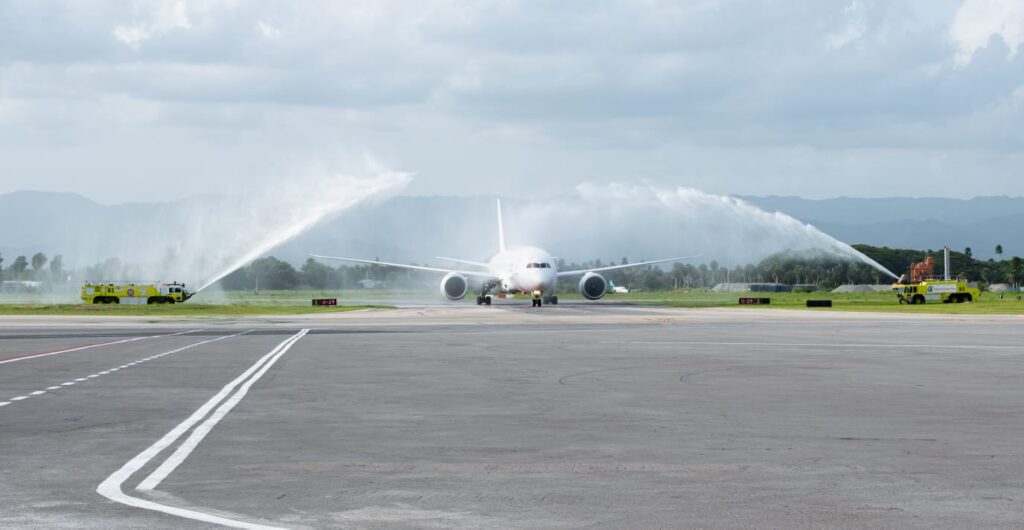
{"points": [[536, 280]]}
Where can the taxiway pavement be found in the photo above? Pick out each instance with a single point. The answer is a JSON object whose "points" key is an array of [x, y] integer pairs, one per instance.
{"points": [[568, 416]]}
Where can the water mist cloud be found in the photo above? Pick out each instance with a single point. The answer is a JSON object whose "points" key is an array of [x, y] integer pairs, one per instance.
{"points": [[259, 223], [647, 222], [199, 241]]}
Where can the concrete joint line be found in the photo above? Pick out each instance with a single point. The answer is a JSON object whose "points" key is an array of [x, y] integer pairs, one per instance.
{"points": [[90, 346], [93, 376], [226, 398]]}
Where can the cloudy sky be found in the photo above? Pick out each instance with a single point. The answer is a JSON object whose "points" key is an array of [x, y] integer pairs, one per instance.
{"points": [[152, 100]]}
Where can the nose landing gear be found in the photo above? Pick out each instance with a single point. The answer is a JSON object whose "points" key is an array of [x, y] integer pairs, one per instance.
{"points": [[539, 300]]}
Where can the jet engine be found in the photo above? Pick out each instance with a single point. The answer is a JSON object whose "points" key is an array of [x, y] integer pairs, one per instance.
{"points": [[593, 286], [454, 286]]}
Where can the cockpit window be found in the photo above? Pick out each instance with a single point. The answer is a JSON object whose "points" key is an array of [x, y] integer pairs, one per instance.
{"points": [[545, 265], [538, 265]]}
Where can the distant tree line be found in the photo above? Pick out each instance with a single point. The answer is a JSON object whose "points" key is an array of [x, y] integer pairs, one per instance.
{"points": [[271, 273], [819, 268], [19, 270], [789, 267], [962, 263]]}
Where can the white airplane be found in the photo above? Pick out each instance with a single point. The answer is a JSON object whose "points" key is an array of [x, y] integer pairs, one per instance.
{"points": [[513, 270], [621, 289]]}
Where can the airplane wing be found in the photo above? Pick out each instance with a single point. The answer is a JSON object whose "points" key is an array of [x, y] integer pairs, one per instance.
{"points": [[465, 262], [477, 274], [626, 266]]}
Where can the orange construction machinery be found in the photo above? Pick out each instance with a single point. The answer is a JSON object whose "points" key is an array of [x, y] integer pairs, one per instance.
{"points": [[923, 270]]}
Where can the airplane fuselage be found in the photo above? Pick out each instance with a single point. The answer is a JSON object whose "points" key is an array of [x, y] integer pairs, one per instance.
{"points": [[525, 269]]}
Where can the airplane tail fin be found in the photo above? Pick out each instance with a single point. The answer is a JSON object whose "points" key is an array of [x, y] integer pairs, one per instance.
{"points": [[501, 230]]}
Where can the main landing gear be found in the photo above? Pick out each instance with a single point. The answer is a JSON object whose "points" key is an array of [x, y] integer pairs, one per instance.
{"points": [[484, 298], [539, 301]]}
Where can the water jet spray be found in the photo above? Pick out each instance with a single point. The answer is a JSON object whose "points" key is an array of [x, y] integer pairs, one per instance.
{"points": [[288, 219], [643, 220]]}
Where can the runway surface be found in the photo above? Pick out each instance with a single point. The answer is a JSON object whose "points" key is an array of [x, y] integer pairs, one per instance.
{"points": [[567, 416]]}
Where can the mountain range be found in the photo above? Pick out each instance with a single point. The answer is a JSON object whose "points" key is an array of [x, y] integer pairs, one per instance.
{"points": [[416, 229]]}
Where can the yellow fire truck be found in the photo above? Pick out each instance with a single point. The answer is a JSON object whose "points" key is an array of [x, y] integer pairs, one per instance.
{"points": [[936, 290], [134, 293], [923, 287]]}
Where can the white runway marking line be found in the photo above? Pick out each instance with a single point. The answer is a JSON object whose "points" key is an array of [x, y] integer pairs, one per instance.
{"points": [[200, 432], [80, 348], [111, 487], [93, 376]]}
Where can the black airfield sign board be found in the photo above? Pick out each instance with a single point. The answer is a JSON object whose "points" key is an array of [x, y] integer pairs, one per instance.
{"points": [[325, 301]]}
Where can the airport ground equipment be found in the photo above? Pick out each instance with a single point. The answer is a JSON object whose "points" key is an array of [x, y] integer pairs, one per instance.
{"points": [[134, 293]]}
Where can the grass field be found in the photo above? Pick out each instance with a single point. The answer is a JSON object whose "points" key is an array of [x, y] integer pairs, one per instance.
{"points": [[298, 302]]}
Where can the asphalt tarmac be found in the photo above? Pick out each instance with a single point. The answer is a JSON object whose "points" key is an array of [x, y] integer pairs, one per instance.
{"points": [[507, 416]]}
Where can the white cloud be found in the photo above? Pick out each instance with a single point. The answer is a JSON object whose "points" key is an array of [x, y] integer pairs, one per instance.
{"points": [[267, 30], [131, 35], [978, 20], [741, 96], [855, 25], [167, 17]]}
